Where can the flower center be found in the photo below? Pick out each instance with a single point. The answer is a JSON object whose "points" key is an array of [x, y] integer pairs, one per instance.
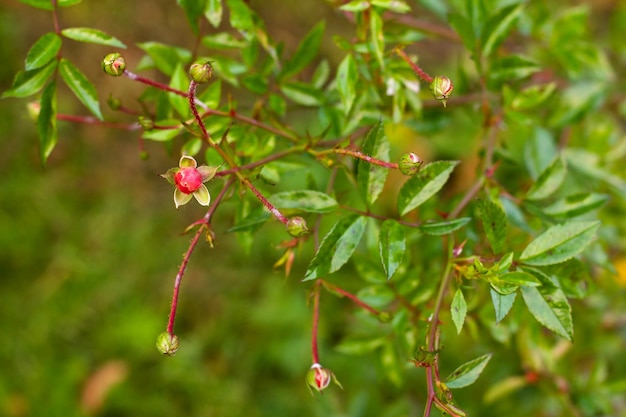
{"points": [[188, 180]]}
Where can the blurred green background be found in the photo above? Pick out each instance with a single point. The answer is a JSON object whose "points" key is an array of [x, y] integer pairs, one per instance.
{"points": [[90, 246]]}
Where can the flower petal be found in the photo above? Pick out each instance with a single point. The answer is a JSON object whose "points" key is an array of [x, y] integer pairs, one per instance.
{"points": [[180, 198], [187, 162], [207, 172], [169, 175], [202, 195]]}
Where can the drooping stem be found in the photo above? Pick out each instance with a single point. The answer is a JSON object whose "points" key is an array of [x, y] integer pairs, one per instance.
{"points": [[362, 156], [275, 212], [316, 316]]}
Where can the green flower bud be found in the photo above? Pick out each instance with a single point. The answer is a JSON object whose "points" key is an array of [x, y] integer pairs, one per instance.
{"points": [[114, 103], [296, 227], [146, 123], [318, 378], [114, 64], [201, 71], [167, 343], [384, 317], [409, 164], [441, 87]]}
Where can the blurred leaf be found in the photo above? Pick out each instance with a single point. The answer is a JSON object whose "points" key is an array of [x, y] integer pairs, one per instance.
{"points": [[503, 388], [511, 68], [444, 227], [303, 94], [223, 40], [43, 51], [82, 88], [458, 310], [396, 6], [355, 6], [377, 37], [180, 81], [529, 97], [47, 4], [575, 205], [426, 183], [337, 247], [502, 304], [549, 180], [213, 12], [304, 201], [575, 100], [346, 82], [321, 74], [539, 152], [240, 15], [306, 52], [463, 27], [559, 243], [494, 223], [359, 346], [27, 83], [162, 135], [370, 177], [47, 121], [166, 57], [497, 27], [467, 373], [390, 363], [256, 83], [392, 245], [590, 165], [91, 35], [194, 9]]}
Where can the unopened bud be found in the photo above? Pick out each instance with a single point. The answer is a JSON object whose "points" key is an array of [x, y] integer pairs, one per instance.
{"points": [[441, 87], [167, 343], [318, 378], [114, 103], [201, 71], [114, 64], [296, 227], [384, 317], [409, 164], [146, 123]]}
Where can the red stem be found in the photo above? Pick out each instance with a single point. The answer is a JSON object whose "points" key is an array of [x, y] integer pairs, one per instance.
{"points": [[351, 296], [152, 83], [275, 212], [316, 317], [366, 158], [194, 110], [420, 72]]}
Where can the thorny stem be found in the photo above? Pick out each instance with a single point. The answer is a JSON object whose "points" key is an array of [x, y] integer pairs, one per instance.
{"points": [[362, 156], [351, 296], [275, 212], [192, 105], [192, 245], [420, 72], [316, 316], [252, 122]]}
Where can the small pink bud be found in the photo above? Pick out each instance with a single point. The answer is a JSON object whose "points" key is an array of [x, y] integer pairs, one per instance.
{"points": [[188, 180], [296, 227], [409, 164], [167, 343], [441, 87], [318, 378], [114, 64]]}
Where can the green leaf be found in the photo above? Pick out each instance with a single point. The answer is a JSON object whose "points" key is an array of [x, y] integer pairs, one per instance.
{"points": [[396, 6], [240, 15], [463, 27], [391, 245], [304, 201], [445, 227], [377, 37], [549, 180], [307, 49], [165, 57], [559, 243], [82, 88], [337, 247], [162, 135], [502, 304], [47, 121], [539, 152], [512, 67], [576, 205], [47, 4], [193, 10], [494, 222], [371, 178], [355, 6], [497, 27], [346, 82], [224, 40], [359, 346], [550, 307], [91, 35], [303, 94], [27, 83], [43, 51], [180, 81], [213, 12], [458, 309], [426, 183], [509, 282], [468, 373]]}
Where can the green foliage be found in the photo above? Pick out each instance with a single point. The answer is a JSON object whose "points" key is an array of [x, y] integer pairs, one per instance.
{"points": [[520, 197]]}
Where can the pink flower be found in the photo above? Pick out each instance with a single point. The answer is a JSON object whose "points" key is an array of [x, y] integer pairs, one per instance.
{"points": [[189, 179]]}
